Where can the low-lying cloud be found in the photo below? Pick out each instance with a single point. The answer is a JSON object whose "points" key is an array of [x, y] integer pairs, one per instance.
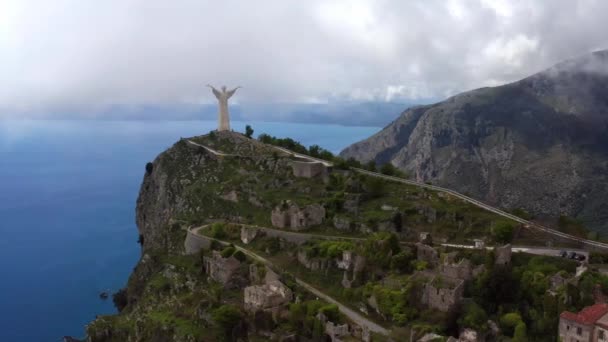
{"points": [[87, 57]]}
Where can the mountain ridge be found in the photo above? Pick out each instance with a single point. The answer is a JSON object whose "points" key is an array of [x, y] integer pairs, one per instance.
{"points": [[537, 143]]}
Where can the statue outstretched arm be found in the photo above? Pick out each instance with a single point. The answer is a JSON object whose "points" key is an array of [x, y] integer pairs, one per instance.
{"points": [[215, 91], [231, 92]]}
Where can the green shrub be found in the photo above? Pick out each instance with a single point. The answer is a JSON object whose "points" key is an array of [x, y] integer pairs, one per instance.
{"points": [[474, 317], [509, 321], [149, 168], [598, 258], [503, 232], [330, 311], [218, 231], [248, 131], [228, 252], [226, 317], [520, 333], [375, 187]]}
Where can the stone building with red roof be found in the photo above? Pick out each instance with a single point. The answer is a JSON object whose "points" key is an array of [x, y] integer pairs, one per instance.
{"points": [[589, 325]]}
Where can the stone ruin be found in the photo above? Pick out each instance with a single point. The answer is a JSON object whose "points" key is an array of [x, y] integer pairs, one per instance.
{"points": [[267, 293], [460, 270], [334, 331], [290, 215], [308, 169], [425, 238], [222, 270], [269, 296], [440, 292], [351, 264], [502, 255], [427, 253], [313, 264], [248, 234]]}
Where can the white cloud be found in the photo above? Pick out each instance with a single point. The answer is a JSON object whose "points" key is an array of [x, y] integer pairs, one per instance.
{"points": [[72, 55]]}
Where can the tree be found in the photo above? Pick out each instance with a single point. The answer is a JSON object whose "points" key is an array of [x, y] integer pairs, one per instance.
{"points": [[217, 230], [375, 187], [474, 317], [226, 317], [503, 232], [314, 151], [149, 168], [248, 131], [520, 333], [228, 252], [371, 165], [388, 169], [510, 321], [317, 331]]}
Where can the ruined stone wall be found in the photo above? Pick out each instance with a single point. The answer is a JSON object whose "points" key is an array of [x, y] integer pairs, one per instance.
{"points": [[221, 269], [443, 298], [462, 270], [290, 215], [308, 169], [194, 243], [427, 253], [503, 255]]}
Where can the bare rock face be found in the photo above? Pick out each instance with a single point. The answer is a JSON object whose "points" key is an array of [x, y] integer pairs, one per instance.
{"points": [[231, 196], [290, 215], [538, 144], [268, 296]]}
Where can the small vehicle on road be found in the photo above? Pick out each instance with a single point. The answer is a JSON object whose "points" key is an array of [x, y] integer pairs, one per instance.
{"points": [[563, 254]]}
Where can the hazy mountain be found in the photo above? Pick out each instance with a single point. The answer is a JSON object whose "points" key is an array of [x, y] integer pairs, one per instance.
{"points": [[540, 143], [348, 113]]}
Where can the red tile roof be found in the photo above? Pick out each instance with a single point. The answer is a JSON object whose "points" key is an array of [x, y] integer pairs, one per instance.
{"points": [[588, 315]]}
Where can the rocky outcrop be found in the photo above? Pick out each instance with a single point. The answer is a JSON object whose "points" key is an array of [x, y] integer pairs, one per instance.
{"points": [[248, 234], [538, 143], [308, 169], [268, 296], [290, 215]]}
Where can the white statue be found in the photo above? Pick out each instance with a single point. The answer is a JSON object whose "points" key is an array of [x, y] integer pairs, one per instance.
{"points": [[222, 97]]}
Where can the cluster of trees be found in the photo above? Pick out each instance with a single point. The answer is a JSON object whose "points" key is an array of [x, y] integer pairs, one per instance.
{"points": [[303, 318], [328, 249], [317, 151], [575, 227], [287, 143], [517, 295], [503, 232]]}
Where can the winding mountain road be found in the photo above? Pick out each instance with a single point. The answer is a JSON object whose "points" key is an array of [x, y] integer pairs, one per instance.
{"points": [[486, 207], [473, 201], [210, 150], [348, 312]]}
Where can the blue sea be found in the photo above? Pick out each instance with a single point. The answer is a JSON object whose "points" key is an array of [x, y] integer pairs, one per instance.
{"points": [[67, 212]]}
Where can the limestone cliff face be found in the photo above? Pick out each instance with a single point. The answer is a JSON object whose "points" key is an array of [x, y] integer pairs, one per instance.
{"points": [[540, 143]]}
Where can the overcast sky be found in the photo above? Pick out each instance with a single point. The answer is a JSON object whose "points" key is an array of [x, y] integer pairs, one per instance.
{"points": [[88, 55]]}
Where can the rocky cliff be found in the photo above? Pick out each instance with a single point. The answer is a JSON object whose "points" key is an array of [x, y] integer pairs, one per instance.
{"points": [[540, 143]]}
